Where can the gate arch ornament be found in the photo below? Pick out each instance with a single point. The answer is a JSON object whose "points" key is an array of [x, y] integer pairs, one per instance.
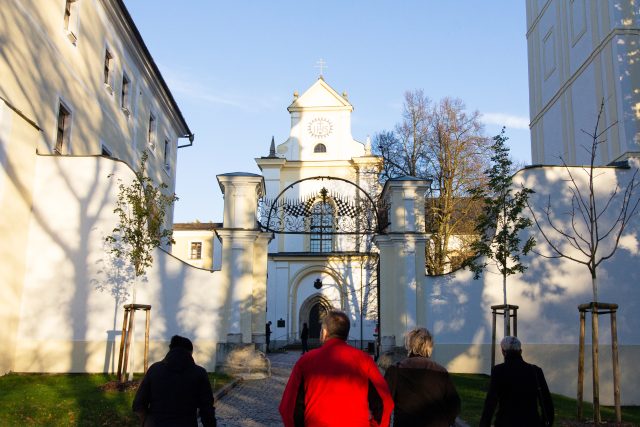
{"points": [[356, 213]]}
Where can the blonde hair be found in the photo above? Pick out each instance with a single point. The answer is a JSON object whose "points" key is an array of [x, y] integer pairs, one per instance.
{"points": [[419, 342]]}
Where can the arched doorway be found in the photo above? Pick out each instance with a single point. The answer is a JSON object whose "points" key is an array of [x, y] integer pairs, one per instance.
{"points": [[312, 312], [316, 315]]}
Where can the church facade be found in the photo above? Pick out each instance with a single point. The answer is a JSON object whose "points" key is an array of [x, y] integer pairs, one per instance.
{"points": [[320, 186]]}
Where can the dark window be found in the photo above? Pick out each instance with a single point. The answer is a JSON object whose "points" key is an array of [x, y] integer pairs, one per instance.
{"points": [[321, 227], [108, 61], [196, 250], [124, 100], [152, 128], [320, 148], [62, 133], [166, 152]]}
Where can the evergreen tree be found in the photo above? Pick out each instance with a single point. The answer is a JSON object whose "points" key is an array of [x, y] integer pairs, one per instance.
{"points": [[501, 220]]}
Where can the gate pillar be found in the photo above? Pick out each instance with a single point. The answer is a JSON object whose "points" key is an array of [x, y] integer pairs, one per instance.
{"points": [[402, 260], [244, 259]]}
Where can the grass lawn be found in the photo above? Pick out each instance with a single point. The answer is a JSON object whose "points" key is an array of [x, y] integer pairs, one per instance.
{"points": [[68, 400], [79, 400], [472, 389]]}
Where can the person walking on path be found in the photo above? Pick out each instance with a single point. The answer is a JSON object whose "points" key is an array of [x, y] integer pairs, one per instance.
{"points": [[267, 333], [422, 390], [336, 385], [304, 336], [174, 389], [515, 388]]}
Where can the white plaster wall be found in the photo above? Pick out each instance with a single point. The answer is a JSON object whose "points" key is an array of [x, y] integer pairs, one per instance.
{"points": [[581, 52], [74, 290], [548, 294]]}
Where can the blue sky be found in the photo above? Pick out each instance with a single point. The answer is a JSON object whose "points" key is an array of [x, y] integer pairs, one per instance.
{"points": [[233, 67]]}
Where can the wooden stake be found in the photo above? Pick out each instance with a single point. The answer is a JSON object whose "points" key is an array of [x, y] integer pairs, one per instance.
{"points": [[127, 344], [581, 364], [616, 366], [146, 342], [595, 363], [124, 331], [493, 340]]}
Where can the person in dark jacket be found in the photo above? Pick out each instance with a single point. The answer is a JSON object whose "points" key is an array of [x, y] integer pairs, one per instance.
{"points": [[304, 336], [516, 387], [422, 390], [174, 389]]}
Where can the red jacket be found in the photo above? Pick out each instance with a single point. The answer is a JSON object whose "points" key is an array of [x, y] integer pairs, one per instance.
{"points": [[336, 385]]}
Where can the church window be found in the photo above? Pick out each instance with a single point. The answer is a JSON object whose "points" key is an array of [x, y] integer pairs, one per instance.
{"points": [[62, 131], [196, 250], [321, 239], [320, 148]]}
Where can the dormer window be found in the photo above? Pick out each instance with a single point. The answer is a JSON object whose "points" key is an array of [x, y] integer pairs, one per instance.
{"points": [[320, 148]]}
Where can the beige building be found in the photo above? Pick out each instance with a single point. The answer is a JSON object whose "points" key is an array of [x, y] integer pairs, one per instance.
{"points": [[582, 52], [196, 243], [77, 81]]}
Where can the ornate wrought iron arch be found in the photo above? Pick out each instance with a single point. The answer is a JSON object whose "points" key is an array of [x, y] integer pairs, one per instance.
{"points": [[361, 214]]}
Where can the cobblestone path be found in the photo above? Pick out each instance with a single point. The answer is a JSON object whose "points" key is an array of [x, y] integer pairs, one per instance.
{"points": [[255, 403]]}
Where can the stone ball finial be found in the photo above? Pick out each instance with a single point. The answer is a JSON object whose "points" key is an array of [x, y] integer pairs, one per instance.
{"points": [[344, 94], [295, 94]]}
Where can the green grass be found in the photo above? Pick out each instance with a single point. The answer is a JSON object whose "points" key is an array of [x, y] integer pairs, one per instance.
{"points": [[68, 400], [78, 400], [472, 389]]}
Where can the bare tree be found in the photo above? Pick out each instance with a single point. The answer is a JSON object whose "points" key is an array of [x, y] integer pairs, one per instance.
{"points": [[404, 150], [591, 239], [588, 232], [445, 143]]}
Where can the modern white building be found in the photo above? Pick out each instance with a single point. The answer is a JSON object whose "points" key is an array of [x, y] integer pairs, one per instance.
{"points": [[581, 53]]}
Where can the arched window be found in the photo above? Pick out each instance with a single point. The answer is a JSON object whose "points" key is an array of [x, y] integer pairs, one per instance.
{"points": [[320, 148], [321, 227]]}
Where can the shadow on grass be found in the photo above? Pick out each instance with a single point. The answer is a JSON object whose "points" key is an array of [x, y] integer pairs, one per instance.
{"points": [[69, 399]]}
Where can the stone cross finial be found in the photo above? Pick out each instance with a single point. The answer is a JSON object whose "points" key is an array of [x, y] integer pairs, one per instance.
{"points": [[321, 65]]}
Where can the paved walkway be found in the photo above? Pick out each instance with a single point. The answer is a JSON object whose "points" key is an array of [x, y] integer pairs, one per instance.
{"points": [[255, 403]]}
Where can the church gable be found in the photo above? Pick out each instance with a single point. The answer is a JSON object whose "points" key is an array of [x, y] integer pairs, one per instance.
{"points": [[320, 96]]}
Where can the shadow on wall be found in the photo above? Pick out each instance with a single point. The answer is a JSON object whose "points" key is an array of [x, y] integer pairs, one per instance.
{"points": [[548, 294]]}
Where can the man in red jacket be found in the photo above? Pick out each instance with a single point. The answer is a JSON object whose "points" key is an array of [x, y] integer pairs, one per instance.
{"points": [[336, 385]]}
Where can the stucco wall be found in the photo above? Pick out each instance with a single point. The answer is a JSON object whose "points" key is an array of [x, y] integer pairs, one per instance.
{"points": [[548, 294], [74, 290]]}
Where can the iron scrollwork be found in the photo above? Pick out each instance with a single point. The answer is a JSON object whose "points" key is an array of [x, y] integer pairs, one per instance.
{"points": [[356, 213]]}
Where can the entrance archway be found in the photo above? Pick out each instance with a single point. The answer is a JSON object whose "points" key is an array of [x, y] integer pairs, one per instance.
{"points": [[312, 313]]}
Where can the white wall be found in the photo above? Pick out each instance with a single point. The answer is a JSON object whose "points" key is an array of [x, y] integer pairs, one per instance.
{"points": [[548, 294], [74, 290]]}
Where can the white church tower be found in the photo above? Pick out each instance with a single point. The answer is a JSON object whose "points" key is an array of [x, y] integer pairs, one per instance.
{"points": [[321, 189]]}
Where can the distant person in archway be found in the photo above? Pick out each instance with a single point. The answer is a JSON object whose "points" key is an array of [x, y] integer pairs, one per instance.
{"points": [[304, 336], [422, 390], [336, 385], [267, 334], [516, 388]]}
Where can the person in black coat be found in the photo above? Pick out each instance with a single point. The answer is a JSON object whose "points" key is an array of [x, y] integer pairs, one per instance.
{"points": [[174, 389], [423, 392], [304, 336], [516, 388]]}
